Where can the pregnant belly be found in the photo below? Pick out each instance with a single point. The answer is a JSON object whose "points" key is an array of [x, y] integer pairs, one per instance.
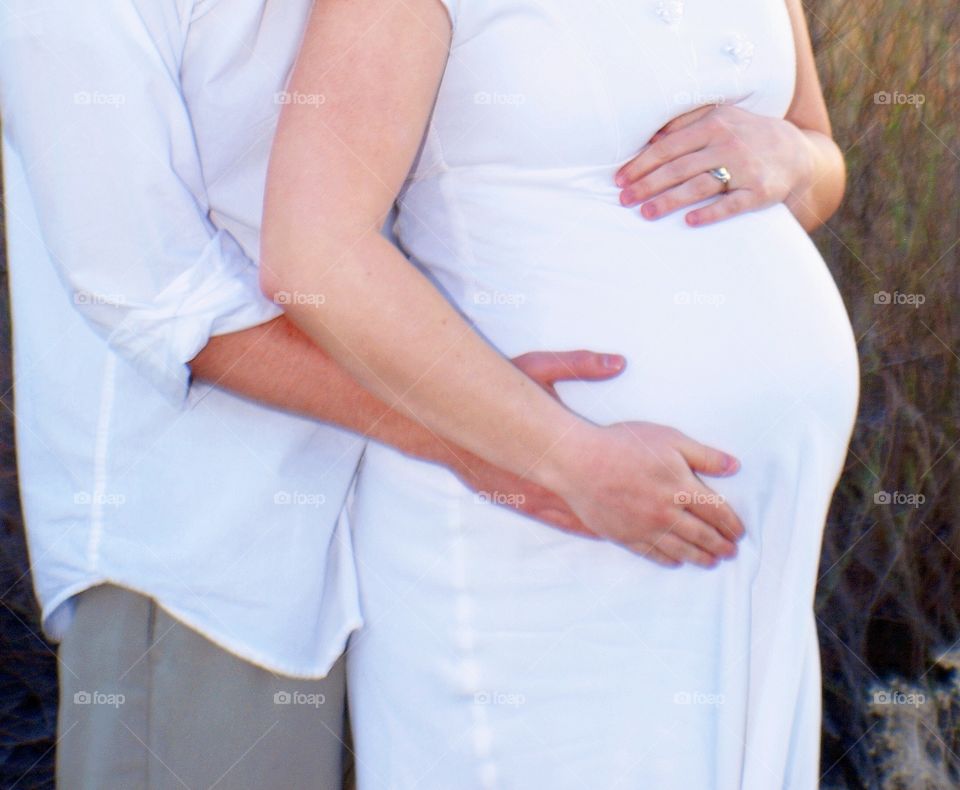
{"points": [[732, 333]]}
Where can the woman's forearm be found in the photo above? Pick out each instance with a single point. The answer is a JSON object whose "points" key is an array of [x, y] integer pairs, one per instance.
{"points": [[819, 194], [396, 351], [335, 171]]}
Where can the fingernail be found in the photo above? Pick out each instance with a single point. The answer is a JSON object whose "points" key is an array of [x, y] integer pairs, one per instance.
{"points": [[732, 465], [620, 180], [612, 362], [649, 211]]}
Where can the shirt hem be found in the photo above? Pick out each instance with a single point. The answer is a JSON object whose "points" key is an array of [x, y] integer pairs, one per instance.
{"points": [[244, 652]]}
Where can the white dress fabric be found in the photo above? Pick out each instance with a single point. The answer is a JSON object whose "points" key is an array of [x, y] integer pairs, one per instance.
{"points": [[498, 652]]}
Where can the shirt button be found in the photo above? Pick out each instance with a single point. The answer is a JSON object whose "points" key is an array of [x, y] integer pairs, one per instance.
{"points": [[740, 51], [670, 11]]}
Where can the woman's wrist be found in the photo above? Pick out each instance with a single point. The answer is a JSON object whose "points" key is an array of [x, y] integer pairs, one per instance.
{"points": [[819, 186], [563, 465], [805, 161]]}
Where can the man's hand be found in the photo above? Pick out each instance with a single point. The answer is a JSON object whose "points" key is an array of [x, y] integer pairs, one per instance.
{"points": [[630, 469], [500, 487], [277, 365]]}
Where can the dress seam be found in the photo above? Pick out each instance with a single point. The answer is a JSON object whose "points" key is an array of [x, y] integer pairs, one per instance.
{"points": [[481, 733]]}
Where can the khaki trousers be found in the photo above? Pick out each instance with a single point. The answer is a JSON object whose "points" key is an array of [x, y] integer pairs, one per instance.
{"points": [[147, 703]]}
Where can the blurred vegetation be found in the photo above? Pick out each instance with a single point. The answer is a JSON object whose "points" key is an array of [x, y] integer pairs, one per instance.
{"points": [[888, 602], [28, 684]]}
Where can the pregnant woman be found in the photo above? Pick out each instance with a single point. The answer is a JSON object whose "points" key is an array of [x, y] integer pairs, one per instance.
{"points": [[498, 652]]}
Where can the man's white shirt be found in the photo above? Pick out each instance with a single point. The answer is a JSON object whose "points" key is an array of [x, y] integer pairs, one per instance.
{"points": [[136, 139]]}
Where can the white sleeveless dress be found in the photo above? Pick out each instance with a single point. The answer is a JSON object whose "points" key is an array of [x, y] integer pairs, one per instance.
{"points": [[501, 653]]}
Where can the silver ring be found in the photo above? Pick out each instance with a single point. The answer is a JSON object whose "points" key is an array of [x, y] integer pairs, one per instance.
{"points": [[723, 176]]}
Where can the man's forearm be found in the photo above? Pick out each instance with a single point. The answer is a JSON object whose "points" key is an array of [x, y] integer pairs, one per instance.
{"points": [[276, 364]]}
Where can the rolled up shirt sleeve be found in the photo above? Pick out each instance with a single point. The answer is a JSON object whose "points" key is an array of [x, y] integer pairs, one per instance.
{"points": [[91, 102]]}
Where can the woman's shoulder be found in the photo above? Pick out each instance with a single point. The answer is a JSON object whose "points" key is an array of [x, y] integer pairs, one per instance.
{"points": [[453, 7]]}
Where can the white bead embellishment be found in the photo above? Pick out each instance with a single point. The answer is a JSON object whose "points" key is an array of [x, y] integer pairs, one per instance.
{"points": [[740, 51], [670, 11]]}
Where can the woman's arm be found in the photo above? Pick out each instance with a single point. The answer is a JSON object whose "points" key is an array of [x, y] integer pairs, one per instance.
{"points": [[335, 171], [792, 160], [817, 195], [337, 166], [277, 365]]}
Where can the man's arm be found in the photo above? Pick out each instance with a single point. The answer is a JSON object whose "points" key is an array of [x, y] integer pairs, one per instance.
{"points": [[278, 365], [92, 104]]}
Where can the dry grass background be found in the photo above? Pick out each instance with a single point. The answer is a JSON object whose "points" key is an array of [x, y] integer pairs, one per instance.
{"points": [[28, 686], [888, 602]]}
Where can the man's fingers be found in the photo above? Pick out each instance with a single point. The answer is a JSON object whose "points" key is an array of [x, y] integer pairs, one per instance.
{"points": [[552, 510], [675, 547], [714, 510], [547, 367], [704, 535], [657, 556], [706, 460], [555, 517]]}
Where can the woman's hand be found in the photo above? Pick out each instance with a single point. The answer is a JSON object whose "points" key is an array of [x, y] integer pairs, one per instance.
{"points": [[769, 160], [635, 484], [509, 490], [693, 524]]}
